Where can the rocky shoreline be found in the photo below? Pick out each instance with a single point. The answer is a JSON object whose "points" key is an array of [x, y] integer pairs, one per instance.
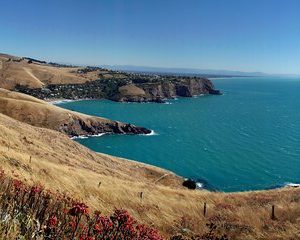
{"points": [[50, 81], [93, 127], [130, 88], [41, 114]]}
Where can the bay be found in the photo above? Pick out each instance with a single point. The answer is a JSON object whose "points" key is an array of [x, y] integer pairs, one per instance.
{"points": [[246, 139]]}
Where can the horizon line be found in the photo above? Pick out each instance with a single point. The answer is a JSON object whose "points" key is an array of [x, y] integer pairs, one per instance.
{"points": [[158, 67]]}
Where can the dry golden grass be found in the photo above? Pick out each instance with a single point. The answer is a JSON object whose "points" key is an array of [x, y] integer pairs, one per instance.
{"points": [[43, 155], [106, 182], [42, 114], [131, 90], [37, 75]]}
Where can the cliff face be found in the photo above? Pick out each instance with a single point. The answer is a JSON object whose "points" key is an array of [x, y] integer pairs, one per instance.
{"points": [[92, 126], [126, 90], [158, 91], [41, 114]]}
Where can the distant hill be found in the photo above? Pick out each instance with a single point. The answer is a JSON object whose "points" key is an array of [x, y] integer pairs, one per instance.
{"points": [[47, 80], [185, 71]]}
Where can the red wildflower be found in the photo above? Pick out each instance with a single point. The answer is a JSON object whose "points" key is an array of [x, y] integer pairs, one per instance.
{"points": [[78, 208], [97, 228], [122, 216], [52, 222], [72, 225], [87, 238], [106, 223], [147, 233], [17, 184], [36, 189]]}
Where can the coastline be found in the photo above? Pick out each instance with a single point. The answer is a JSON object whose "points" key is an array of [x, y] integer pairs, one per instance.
{"points": [[200, 184], [58, 101], [152, 133]]}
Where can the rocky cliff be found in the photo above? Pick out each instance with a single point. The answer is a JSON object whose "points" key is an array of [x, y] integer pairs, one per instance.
{"points": [[160, 90], [42, 114], [126, 90]]}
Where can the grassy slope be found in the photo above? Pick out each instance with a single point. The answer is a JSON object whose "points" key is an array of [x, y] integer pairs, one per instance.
{"points": [[62, 164], [42, 114], [36, 75], [37, 112]]}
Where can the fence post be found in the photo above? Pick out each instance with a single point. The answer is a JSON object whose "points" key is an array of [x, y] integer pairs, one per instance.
{"points": [[204, 209], [273, 213], [141, 196]]}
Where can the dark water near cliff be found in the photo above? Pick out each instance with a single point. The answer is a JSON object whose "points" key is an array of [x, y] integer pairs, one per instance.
{"points": [[248, 138]]}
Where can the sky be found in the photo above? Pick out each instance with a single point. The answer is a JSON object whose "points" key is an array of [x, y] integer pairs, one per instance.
{"points": [[243, 35]]}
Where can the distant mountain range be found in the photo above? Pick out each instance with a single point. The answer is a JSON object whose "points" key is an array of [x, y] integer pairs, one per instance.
{"points": [[132, 68]]}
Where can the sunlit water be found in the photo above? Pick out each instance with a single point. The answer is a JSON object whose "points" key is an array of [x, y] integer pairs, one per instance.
{"points": [[248, 138]]}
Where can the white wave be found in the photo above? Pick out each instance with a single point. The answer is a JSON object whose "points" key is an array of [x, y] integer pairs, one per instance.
{"points": [[292, 184], [200, 95], [79, 137], [87, 136], [152, 133], [168, 103], [199, 185], [97, 135], [61, 101], [245, 134]]}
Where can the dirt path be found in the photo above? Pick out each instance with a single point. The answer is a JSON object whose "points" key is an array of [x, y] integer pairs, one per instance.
{"points": [[27, 70]]}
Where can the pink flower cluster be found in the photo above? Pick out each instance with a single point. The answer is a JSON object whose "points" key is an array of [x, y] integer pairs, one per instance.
{"points": [[60, 217]]}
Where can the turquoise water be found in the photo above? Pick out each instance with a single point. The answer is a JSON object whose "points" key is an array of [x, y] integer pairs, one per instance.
{"points": [[246, 139]]}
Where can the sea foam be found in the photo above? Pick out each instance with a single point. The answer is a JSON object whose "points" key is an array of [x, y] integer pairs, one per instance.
{"points": [[152, 133], [292, 184], [87, 136], [57, 102]]}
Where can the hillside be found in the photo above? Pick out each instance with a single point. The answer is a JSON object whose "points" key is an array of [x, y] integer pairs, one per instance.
{"points": [[38, 213], [36, 74], [42, 114], [51, 80], [106, 182], [35, 146]]}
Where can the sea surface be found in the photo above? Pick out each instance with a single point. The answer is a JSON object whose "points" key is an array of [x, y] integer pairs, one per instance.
{"points": [[246, 139]]}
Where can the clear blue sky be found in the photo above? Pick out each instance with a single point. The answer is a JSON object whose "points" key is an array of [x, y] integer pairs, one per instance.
{"points": [[247, 35]]}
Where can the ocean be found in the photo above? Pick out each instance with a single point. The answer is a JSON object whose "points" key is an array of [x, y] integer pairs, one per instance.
{"points": [[246, 139]]}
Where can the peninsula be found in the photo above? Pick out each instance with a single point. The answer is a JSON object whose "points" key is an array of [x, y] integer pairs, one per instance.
{"points": [[45, 80]]}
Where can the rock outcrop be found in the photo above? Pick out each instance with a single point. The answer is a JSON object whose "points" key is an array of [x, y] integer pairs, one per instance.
{"points": [[93, 126], [42, 114], [158, 91], [190, 184], [126, 90]]}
